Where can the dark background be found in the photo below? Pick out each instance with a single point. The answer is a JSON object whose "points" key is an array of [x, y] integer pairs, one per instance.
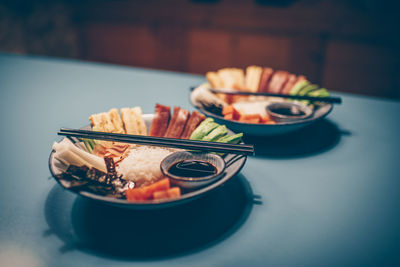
{"points": [[348, 46]]}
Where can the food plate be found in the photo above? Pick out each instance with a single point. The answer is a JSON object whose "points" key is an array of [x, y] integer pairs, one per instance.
{"points": [[265, 129], [234, 164]]}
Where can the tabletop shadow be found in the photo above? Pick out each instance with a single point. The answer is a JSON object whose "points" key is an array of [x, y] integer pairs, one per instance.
{"points": [[308, 141], [110, 231]]}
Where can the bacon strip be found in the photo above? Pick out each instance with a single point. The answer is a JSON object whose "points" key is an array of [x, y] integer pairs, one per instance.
{"points": [[264, 79], [278, 81], [160, 121], [172, 121], [177, 123], [192, 123]]}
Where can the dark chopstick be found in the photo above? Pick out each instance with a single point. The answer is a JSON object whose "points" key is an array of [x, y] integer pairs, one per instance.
{"points": [[161, 141], [331, 99]]}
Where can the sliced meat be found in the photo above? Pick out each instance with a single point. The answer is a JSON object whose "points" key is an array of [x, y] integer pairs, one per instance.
{"points": [[289, 84], [160, 121], [192, 123], [264, 79], [278, 81], [178, 123], [181, 122], [172, 121]]}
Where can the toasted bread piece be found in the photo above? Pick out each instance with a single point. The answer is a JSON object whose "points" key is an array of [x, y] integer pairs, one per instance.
{"points": [[129, 121], [101, 122], [232, 78], [141, 125], [214, 80], [133, 122], [95, 122], [116, 121], [216, 83], [253, 75], [108, 125]]}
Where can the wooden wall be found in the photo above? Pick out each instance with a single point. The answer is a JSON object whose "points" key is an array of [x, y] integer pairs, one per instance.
{"points": [[334, 43]]}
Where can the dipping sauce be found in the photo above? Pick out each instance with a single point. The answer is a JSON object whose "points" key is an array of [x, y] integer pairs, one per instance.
{"points": [[288, 111], [192, 168]]}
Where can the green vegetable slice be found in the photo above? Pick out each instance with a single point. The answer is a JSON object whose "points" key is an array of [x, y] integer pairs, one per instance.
{"points": [[215, 134], [298, 86], [203, 129]]}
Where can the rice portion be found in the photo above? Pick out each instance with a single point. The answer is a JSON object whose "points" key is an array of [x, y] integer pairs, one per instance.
{"points": [[143, 164]]}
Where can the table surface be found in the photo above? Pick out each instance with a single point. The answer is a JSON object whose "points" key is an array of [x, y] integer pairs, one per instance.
{"points": [[327, 195]]}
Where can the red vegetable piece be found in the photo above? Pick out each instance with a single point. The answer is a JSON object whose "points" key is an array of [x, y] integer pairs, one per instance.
{"points": [[160, 121]]}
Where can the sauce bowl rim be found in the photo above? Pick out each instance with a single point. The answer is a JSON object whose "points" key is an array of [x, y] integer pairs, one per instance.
{"points": [[165, 171]]}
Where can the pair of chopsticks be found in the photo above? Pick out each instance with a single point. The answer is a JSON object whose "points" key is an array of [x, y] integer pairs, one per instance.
{"points": [[161, 141], [331, 99]]}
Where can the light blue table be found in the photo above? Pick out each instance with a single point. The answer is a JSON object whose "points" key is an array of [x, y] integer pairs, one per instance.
{"points": [[326, 196]]}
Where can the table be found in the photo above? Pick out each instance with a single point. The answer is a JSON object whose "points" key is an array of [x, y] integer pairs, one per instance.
{"points": [[326, 196]]}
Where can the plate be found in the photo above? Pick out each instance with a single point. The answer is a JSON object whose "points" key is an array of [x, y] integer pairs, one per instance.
{"points": [[265, 129], [234, 164]]}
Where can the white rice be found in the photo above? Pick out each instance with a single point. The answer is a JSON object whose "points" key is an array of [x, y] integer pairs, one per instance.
{"points": [[143, 164]]}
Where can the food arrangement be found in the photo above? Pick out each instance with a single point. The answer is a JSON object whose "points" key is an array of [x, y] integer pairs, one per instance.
{"points": [[130, 171], [251, 109]]}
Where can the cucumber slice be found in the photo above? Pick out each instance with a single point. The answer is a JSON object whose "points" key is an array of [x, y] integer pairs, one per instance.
{"points": [[322, 92], [231, 139], [308, 89], [298, 86], [203, 129], [215, 134]]}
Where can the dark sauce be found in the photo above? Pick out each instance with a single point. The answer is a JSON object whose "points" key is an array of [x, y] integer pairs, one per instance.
{"points": [[286, 111], [192, 168]]}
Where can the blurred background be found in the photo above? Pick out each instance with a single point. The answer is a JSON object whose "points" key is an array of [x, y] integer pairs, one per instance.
{"points": [[347, 46]]}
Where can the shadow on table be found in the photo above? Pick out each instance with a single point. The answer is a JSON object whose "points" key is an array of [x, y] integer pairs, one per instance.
{"points": [[311, 140], [108, 231]]}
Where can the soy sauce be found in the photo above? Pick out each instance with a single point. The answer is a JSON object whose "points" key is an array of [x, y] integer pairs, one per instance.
{"points": [[286, 111], [192, 168]]}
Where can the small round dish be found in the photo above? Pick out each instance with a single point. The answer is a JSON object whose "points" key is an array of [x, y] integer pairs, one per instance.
{"points": [[288, 111], [190, 181]]}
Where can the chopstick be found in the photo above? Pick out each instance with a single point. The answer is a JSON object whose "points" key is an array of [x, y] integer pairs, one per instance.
{"points": [[243, 149], [331, 99]]}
